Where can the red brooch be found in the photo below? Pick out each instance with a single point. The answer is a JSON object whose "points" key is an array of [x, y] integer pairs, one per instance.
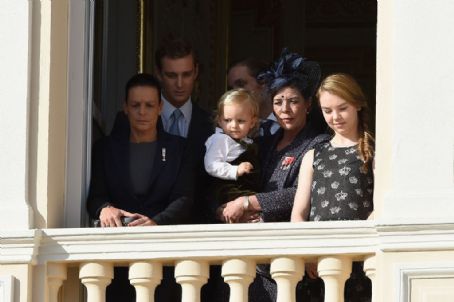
{"points": [[287, 162]]}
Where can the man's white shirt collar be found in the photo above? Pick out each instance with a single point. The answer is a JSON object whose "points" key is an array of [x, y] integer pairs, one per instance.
{"points": [[167, 110], [271, 117]]}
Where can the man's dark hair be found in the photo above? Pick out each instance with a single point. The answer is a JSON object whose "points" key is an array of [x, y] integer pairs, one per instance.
{"points": [[142, 79], [174, 48], [254, 65]]}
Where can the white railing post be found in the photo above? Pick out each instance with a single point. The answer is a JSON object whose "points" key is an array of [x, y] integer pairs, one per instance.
{"points": [[370, 267], [238, 274], [96, 276], [191, 275], [334, 270], [287, 271], [56, 274], [145, 276]]}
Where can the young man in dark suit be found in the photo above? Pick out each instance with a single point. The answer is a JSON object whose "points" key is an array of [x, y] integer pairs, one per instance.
{"points": [[177, 69]]}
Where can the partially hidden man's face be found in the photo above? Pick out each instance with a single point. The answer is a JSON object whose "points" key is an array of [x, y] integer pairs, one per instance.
{"points": [[239, 77], [143, 107], [177, 77]]}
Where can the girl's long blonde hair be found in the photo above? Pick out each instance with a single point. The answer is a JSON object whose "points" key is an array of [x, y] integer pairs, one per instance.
{"points": [[345, 87]]}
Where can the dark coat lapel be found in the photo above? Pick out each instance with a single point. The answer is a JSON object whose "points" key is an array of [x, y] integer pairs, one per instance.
{"points": [[120, 154], [200, 125], [195, 122], [296, 148]]}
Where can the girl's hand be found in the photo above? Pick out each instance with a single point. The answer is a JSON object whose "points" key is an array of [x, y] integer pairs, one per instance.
{"points": [[244, 168]]}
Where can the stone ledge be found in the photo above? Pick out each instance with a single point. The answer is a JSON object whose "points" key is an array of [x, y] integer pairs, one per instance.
{"points": [[219, 242]]}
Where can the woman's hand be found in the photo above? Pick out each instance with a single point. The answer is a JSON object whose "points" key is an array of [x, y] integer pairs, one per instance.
{"points": [[251, 217], [141, 220], [111, 216], [233, 210]]}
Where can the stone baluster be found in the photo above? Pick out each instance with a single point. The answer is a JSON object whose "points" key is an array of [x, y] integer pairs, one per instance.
{"points": [[334, 270], [238, 274], [287, 271], [96, 277], [145, 276], [370, 267], [56, 274], [191, 275]]}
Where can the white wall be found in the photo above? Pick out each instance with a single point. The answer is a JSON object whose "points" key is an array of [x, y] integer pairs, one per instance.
{"points": [[14, 95], [79, 111], [419, 115]]}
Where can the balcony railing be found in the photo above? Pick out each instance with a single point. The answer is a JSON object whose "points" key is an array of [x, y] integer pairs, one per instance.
{"points": [[193, 248]]}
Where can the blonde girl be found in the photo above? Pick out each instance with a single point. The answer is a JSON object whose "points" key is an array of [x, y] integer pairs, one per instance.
{"points": [[336, 178]]}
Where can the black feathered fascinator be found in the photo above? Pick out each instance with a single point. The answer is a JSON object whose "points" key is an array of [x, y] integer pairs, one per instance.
{"points": [[290, 69]]}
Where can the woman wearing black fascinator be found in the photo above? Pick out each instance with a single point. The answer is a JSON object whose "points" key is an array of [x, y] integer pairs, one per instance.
{"points": [[291, 82]]}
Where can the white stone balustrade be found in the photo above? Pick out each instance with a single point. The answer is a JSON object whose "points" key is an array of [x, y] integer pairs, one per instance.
{"points": [[193, 248], [191, 275], [56, 274], [334, 270], [287, 271], [96, 276], [145, 276], [238, 274], [370, 268]]}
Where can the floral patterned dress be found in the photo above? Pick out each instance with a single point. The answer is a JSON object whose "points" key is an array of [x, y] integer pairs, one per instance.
{"points": [[342, 190]]}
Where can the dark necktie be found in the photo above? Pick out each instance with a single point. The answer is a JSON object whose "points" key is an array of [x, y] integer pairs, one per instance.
{"points": [[266, 127], [174, 129]]}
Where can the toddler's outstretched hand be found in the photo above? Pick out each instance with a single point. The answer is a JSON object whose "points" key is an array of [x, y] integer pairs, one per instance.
{"points": [[244, 168]]}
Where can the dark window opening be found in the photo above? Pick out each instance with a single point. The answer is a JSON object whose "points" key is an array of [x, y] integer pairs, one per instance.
{"points": [[339, 34]]}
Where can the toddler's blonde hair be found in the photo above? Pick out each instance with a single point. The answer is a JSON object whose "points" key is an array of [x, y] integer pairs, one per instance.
{"points": [[241, 97]]}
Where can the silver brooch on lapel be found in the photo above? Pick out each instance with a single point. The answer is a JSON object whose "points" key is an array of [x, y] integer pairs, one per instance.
{"points": [[163, 154]]}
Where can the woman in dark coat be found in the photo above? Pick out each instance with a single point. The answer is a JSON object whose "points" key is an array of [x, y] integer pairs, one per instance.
{"points": [[291, 82], [140, 174]]}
